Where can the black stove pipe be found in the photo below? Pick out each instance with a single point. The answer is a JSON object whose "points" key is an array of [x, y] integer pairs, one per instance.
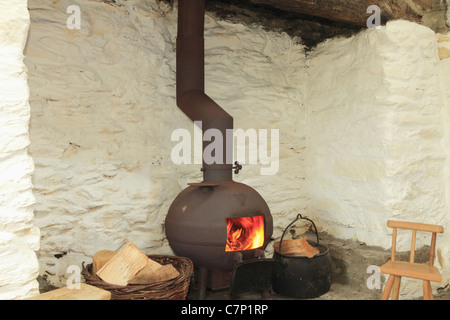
{"points": [[190, 89]]}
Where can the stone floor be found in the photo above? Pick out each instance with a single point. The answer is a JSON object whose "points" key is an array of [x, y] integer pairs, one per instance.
{"points": [[337, 292], [351, 263]]}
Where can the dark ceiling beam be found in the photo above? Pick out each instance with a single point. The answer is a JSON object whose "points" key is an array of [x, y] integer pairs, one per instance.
{"points": [[355, 11]]}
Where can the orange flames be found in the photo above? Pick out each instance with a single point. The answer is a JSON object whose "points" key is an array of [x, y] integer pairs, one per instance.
{"points": [[245, 233]]}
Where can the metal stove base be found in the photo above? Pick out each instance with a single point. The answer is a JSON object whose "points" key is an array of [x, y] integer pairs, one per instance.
{"points": [[213, 280]]}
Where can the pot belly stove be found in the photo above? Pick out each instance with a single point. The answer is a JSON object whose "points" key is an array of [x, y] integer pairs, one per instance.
{"points": [[218, 222], [218, 226]]}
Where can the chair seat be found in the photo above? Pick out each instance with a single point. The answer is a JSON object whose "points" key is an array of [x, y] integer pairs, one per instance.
{"points": [[411, 270]]}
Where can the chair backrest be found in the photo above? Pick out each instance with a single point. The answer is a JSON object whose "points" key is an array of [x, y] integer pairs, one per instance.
{"points": [[414, 227]]}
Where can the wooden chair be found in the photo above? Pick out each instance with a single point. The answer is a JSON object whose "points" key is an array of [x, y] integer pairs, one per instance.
{"points": [[398, 269]]}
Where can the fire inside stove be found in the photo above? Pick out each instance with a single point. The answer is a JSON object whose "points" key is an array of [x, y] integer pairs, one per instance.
{"points": [[245, 233]]}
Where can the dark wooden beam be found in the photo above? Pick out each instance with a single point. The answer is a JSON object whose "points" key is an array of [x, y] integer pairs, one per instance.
{"points": [[355, 11], [307, 29]]}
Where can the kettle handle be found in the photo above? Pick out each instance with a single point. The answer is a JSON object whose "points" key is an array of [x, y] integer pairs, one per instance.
{"points": [[299, 217]]}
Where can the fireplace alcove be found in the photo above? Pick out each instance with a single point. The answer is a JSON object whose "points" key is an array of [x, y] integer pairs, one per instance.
{"points": [[363, 123]]}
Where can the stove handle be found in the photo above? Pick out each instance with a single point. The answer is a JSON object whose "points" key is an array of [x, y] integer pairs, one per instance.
{"points": [[237, 167], [299, 217]]}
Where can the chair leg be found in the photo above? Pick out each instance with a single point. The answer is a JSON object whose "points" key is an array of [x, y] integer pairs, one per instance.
{"points": [[396, 289], [427, 294], [387, 288]]}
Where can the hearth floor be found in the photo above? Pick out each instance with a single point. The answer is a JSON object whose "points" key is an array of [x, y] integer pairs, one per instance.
{"points": [[337, 292], [350, 264]]}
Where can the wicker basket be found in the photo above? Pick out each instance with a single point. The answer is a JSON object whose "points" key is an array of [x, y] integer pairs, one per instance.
{"points": [[174, 289]]}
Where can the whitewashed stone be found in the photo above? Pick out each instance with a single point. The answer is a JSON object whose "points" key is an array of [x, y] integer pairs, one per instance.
{"points": [[103, 110], [362, 133], [376, 138], [448, 12], [19, 238]]}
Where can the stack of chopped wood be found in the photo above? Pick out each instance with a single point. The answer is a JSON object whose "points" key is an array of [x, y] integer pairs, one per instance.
{"points": [[296, 247], [130, 266]]}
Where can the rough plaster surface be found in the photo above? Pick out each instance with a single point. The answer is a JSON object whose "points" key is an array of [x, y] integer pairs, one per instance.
{"points": [[361, 124], [385, 80], [444, 250], [378, 147], [103, 110], [19, 238], [448, 12]]}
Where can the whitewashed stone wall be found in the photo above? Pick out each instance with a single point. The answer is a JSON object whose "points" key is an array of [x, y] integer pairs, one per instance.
{"points": [[103, 111], [444, 76], [19, 238], [377, 136], [448, 12], [362, 125]]}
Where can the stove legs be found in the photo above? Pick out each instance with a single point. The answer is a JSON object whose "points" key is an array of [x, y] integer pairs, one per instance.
{"points": [[205, 279], [218, 280], [202, 282]]}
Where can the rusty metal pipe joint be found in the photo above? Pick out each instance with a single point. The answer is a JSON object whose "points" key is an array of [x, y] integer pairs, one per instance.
{"points": [[190, 83]]}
